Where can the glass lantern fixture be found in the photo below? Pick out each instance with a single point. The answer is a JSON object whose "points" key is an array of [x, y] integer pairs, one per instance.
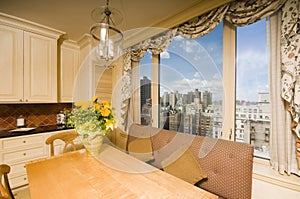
{"points": [[109, 38]]}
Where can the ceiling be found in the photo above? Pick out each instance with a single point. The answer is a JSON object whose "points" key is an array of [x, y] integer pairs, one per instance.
{"points": [[74, 16]]}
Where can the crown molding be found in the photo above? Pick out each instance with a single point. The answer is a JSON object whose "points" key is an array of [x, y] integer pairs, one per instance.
{"points": [[30, 26]]}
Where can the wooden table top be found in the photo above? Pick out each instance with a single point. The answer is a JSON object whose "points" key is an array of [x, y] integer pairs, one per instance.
{"points": [[113, 174]]}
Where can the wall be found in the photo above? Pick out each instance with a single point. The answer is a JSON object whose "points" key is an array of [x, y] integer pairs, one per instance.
{"points": [[35, 114], [264, 190]]}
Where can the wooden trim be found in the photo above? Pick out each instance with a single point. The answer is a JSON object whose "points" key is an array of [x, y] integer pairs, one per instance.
{"points": [[30, 26], [229, 81]]}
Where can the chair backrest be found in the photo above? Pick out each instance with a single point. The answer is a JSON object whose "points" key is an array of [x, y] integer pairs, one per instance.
{"points": [[67, 137], [139, 143], [5, 190]]}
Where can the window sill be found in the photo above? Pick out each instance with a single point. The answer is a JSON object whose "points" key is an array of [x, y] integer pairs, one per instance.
{"points": [[263, 171]]}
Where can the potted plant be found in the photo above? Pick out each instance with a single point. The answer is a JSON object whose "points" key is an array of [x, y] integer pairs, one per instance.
{"points": [[92, 120]]}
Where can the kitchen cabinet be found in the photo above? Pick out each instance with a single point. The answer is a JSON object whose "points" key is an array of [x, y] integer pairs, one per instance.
{"points": [[11, 64], [28, 62], [17, 151], [40, 68], [69, 66]]}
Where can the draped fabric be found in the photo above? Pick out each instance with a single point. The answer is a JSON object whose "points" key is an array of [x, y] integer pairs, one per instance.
{"points": [[239, 13], [290, 50], [202, 25], [282, 140], [245, 12]]}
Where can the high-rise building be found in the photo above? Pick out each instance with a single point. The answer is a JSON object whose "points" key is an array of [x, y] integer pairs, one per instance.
{"points": [[165, 99], [197, 98], [174, 121], [190, 97], [172, 99], [145, 95], [206, 99], [145, 89]]}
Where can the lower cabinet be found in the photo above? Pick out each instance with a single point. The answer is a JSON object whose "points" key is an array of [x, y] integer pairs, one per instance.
{"points": [[17, 151]]}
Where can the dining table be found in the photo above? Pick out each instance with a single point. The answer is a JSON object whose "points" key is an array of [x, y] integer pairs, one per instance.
{"points": [[111, 174]]}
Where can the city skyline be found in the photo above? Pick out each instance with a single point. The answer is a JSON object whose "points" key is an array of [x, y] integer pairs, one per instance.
{"points": [[190, 64]]}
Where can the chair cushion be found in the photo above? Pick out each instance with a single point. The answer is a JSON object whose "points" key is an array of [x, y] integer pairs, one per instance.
{"points": [[141, 148], [183, 165]]}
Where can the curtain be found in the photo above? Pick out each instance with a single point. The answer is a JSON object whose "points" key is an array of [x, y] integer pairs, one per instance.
{"points": [[202, 25], [245, 12], [282, 140], [239, 13], [290, 50]]}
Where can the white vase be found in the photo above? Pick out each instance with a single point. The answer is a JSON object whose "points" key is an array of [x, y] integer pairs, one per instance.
{"points": [[93, 144]]}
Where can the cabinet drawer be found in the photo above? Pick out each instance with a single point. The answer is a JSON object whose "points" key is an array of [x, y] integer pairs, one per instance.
{"points": [[22, 141], [18, 181], [26, 154], [17, 169]]}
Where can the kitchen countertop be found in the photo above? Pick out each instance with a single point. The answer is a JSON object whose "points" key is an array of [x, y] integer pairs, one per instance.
{"points": [[39, 129]]}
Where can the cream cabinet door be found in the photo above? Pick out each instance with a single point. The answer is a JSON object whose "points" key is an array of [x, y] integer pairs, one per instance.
{"points": [[40, 68], [11, 64], [69, 66]]}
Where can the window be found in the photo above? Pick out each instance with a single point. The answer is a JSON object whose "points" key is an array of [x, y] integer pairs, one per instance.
{"points": [[145, 89], [191, 85], [252, 84]]}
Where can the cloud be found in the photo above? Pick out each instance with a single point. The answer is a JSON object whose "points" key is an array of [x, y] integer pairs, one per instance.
{"points": [[197, 75], [252, 74], [165, 55]]}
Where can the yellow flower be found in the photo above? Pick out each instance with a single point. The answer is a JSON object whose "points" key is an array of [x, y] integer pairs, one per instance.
{"points": [[92, 115], [105, 112], [97, 106], [106, 104], [109, 124], [95, 98], [78, 103], [85, 105]]}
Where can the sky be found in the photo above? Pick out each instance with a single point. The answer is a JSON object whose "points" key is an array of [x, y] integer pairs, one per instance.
{"points": [[189, 64]]}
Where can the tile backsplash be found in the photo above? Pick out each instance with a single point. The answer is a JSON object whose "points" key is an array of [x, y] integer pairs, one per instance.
{"points": [[35, 114]]}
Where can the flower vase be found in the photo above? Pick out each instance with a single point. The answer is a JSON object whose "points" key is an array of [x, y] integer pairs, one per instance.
{"points": [[93, 144]]}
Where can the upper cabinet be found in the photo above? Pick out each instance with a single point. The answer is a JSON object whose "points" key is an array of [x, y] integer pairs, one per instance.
{"points": [[40, 68], [11, 64], [28, 62], [69, 66]]}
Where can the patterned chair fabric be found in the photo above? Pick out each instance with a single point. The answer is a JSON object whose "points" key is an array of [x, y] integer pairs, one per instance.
{"points": [[228, 164]]}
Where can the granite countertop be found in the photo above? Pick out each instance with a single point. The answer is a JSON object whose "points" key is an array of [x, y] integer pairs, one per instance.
{"points": [[34, 130]]}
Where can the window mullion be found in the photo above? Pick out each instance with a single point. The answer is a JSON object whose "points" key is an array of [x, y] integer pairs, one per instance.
{"points": [[155, 90], [229, 81]]}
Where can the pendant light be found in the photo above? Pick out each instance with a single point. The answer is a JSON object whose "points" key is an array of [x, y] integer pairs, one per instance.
{"points": [[109, 38]]}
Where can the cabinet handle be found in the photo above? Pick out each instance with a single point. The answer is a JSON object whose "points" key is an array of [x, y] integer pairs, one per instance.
{"points": [[26, 100], [24, 141], [20, 100], [25, 178], [24, 154]]}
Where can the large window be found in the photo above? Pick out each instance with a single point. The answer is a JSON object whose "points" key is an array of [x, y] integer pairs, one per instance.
{"points": [[191, 85], [252, 90]]}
